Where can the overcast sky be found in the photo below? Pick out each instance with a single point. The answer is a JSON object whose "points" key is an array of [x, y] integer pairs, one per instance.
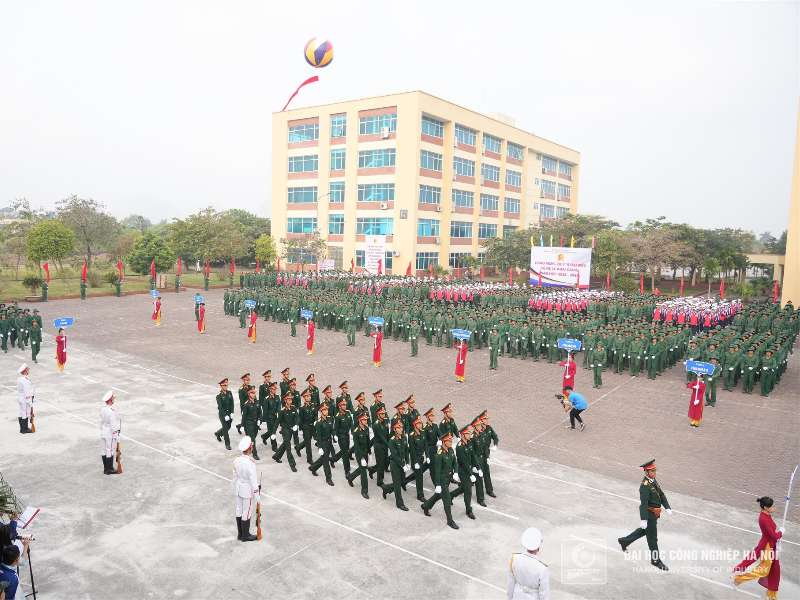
{"points": [[163, 107]]}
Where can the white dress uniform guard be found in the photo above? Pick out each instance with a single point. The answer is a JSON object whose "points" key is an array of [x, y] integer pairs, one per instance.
{"points": [[245, 488], [110, 426], [528, 576], [24, 398]]}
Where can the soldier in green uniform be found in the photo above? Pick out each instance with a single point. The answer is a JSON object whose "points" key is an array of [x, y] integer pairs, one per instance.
{"points": [[361, 444], [377, 404], [635, 351], [251, 418], [398, 465], [380, 443], [36, 340], [651, 501], [464, 476], [711, 383], [323, 432], [417, 448], [311, 382], [431, 430], [344, 390], [651, 358], [749, 365], [342, 426], [269, 412], [350, 326], [4, 331], [597, 361], [494, 348], [731, 367], [444, 463], [413, 334], [768, 371], [287, 418], [242, 399], [488, 438], [225, 413], [308, 417]]}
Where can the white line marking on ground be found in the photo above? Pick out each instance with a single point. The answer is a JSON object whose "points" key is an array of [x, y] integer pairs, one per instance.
{"points": [[486, 508], [89, 379], [626, 498], [119, 390], [566, 419], [295, 507], [284, 559], [191, 414]]}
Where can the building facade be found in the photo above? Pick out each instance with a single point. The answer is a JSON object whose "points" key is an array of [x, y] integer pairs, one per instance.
{"points": [[436, 178]]}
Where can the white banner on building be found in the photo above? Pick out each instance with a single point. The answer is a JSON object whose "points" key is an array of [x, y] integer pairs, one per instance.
{"points": [[374, 251], [326, 265], [555, 266]]}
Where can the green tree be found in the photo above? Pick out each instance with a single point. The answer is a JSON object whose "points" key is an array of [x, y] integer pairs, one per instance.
{"points": [[583, 227], [265, 250], [208, 234], [137, 222], [148, 247], [612, 252], [15, 234], [306, 249], [512, 250], [50, 240], [251, 226], [95, 230]]}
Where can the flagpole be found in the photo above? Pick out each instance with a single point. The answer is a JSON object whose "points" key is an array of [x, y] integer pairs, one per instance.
{"points": [[788, 499]]}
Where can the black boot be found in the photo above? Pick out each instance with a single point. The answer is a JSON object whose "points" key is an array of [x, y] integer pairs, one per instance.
{"points": [[622, 544], [246, 535], [109, 467], [452, 524], [22, 425], [239, 528], [218, 436], [659, 565], [471, 515], [105, 464]]}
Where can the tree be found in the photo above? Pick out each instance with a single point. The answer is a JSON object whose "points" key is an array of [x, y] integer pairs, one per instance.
{"points": [[306, 249], [94, 229], [137, 222], [209, 234], [149, 247], [612, 252], [583, 227], [654, 246], [512, 250], [250, 225], [710, 266], [125, 242], [265, 249], [50, 240], [15, 234]]}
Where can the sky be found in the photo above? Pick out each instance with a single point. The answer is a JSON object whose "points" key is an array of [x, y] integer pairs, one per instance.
{"points": [[162, 108]]}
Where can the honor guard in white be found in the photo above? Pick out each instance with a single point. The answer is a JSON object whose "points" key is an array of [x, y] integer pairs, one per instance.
{"points": [[110, 426], [24, 398], [528, 576], [245, 488]]}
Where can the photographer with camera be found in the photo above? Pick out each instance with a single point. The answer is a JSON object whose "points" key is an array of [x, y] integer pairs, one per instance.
{"points": [[9, 580], [575, 403]]}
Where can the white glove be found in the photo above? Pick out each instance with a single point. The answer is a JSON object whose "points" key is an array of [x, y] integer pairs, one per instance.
{"points": [[227, 418], [416, 466], [320, 451], [730, 368], [782, 530], [591, 366], [427, 460], [642, 524], [294, 427], [259, 422], [474, 469], [437, 489], [230, 417], [751, 368], [696, 402], [363, 462], [472, 478], [456, 477], [406, 468], [480, 472], [335, 440], [669, 511], [567, 376], [438, 443], [273, 437]]}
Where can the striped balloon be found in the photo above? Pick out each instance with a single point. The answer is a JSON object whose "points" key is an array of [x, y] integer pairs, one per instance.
{"points": [[319, 53]]}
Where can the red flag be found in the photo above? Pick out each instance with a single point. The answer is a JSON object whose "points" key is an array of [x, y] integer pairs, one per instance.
{"points": [[312, 79], [641, 283], [592, 242], [83, 271], [352, 264], [179, 267], [560, 240], [608, 280], [510, 276], [482, 272], [207, 269], [232, 267], [46, 268], [577, 279], [408, 269], [775, 291], [540, 279], [680, 293], [120, 268], [153, 269], [258, 266], [722, 289], [278, 265], [380, 266]]}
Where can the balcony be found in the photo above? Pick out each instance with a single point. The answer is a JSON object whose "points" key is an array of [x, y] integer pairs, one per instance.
{"points": [[460, 241], [431, 139]]}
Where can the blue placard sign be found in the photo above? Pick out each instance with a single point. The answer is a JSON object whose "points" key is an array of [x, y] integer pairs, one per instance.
{"points": [[699, 367], [569, 344], [461, 334], [198, 299], [154, 293], [63, 322], [306, 314], [251, 304], [376, 321]]}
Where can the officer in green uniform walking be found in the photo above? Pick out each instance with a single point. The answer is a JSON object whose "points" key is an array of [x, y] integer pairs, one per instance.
{"points": [[413, 335], [417, 448], [494, 348], [465, 470], [380, 443], [225, 413], [251, 418], [287, 418], [36, 340], [361, 445], [342, 426], [651, 501], [444, 464], [323, 432], [398, 465]]}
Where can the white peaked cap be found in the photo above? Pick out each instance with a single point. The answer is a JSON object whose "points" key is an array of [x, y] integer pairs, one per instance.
{"points": [[108, 396], [22, 367], [245, 443], [531, 539]]}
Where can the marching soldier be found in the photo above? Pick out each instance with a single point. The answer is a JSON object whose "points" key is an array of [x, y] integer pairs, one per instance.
{"points": [[308, 417], [597, 361], [311, 382], [464, 474], [361, 444], [652, 498], [285, 382], [494, 348], [489, 439], [431, 429], [324, 435], [443, 464], [345, 389], [287, 418], [110, 426], [342, 426], [251, 418], [242, 399], [36, 339], [245, 488], [269, 411], [225, 413], [417, 448], [380, 443], [447, 423], [398, 463], [377, 404]]}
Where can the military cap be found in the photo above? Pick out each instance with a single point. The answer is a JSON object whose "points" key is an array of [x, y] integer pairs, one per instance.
{"points": [[446, 436], [360, 395], [267, 372], [376, 392], [400, 404], [288, 395], [223, 382], [428, 412], [293, 380], [381, 410], [344, 383], [306, 392], [363, 415], [310, 376], [245, 375], [650, 464], [327, 388], [417, 419], [341, 401], [273, 383], [447, 407], [410, 397], [466, 428], [286, 370]]}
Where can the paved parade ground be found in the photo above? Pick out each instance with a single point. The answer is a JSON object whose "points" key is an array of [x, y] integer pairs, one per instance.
{"points": [[165, 528]]}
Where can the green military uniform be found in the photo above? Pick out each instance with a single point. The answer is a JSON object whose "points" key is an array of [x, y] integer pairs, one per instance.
{"points": [[494, 348], [596, 361], [380, 443], [251, 419], [413, 335], [466, 477], [361, 445], [225, 414], [342, 426], [287, 419], [398, 464], [323, 430], [749, 365], [444, 464], [711, 386], [36, 340]]}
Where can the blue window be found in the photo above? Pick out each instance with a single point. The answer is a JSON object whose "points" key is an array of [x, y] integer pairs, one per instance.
{"points": [[373, 159], [549, 165], [460, 229], [513, 178], [514, 151], [563, 192], [548, 188], [561, 211], [430, 194], [303, 164], [298, 256], [511, 205], [432, 127], [336, 190], [426, 259], [428, 228], [547, 211], [375, 192], [302, 195], [565, 170], [463, 199], [336, 224], [463, 166], [490, 173], [374, 226], [458, 260], [338, 126], [337, 160], [304, 133], [430, 160], [388, 260], [359, 258], [302, 225], [491, 143], [487, 230], [490, 202], [373, 125], [508, 230], [464, 135]]}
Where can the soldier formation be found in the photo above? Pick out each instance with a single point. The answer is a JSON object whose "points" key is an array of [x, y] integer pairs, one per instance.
{"points": [[363, 440], [20, 327]]}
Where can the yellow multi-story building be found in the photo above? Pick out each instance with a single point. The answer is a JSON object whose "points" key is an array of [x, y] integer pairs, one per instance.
{"points": [[436, 178]]}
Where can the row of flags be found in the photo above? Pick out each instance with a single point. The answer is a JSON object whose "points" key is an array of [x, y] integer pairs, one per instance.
{"points": [[561, 241]]}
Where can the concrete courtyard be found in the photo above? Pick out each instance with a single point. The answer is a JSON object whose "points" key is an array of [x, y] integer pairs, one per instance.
{"points": [[165, 528]]}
